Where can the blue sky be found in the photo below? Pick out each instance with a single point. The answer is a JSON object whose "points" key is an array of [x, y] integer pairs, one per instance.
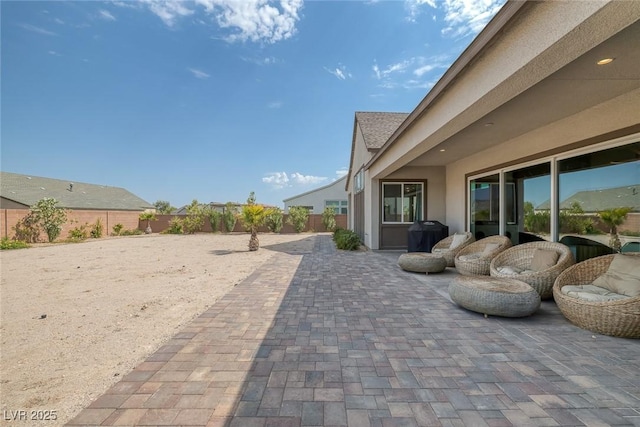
{"points": [[213, 99]]}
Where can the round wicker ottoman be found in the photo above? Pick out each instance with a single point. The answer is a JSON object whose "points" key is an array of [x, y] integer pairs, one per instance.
{"points": [[422, 262], [495, 296]]}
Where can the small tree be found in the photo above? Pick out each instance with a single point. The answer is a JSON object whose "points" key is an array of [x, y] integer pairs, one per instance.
{"points": [[252, 218], [273, 219], [148, 216], [298, 216], [230, 216], [50, 217], [215, 218], [163, 207], [194, 221], [329, 219], [27, 229], [613, 218]]}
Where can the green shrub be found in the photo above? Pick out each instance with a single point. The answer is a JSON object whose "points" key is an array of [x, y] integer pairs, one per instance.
{"points": [[215, 218], [329, 219], [117, 229], [6, 244], [78, 234], [27, 229], [229, 217], [96, 229], [346, 239], [50, 217], [273, 219], [194, 221], [298, 216], [175, 226]]}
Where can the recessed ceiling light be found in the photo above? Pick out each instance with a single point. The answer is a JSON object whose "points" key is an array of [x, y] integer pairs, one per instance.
{"points": [[488, 124], [442, 149], [605, 61]]}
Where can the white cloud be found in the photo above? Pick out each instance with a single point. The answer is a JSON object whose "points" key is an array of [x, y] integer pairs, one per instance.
{"points": [[38, 30], [248, 20], [169, 11], [340, 72], [462, 17], [54, 53], [275, 104], [465, 17], [268, 60], [106, 15], [276, 179], [298, 178], [199, 73], [342, 172], [280, 180], [421, 68]]}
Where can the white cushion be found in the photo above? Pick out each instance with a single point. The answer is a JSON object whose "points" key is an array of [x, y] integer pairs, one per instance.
{"points": [[509, 270], [591, 293], [458, 239], [623, 276], [490, 247]]}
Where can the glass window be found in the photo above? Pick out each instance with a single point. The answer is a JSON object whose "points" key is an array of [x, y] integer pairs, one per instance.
{"points": [[485, 206], [339, 206], [402, 202], [599, 197], [359, 181], [530, 202]]}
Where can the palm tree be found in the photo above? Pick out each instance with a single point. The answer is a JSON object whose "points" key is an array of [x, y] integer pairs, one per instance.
{"points": [[613, 218], [148, 216], [252, 218]]}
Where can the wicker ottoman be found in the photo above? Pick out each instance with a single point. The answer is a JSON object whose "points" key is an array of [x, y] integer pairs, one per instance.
{"points": [[495, 296], [422, 262]]}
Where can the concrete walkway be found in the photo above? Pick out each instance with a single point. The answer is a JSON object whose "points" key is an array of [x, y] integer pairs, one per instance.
{"points": [[340, 338]]}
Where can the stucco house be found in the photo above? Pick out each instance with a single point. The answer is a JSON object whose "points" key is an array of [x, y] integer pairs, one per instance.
{"points": [[332, 195], [543, 104]]}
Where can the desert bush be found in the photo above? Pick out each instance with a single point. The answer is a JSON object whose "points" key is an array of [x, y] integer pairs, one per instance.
{"points": [[273, 219], [215, 218], [27, 229], [96, 229], [329, 219], [346, 239], [50, 217], [79, 233], [298, 216], [175, 226], [229, 217], [194, 221], [7, 244], [117, 229], [252, 218]]}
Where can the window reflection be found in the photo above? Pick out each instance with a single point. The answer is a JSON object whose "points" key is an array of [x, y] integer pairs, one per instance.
{"points": [[402, 202], [600, 201]]}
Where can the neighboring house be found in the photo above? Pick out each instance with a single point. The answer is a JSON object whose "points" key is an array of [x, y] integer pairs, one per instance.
{"points": [[85, 203], [23, 191], [545, 97], [594, 201], [330, 196]]}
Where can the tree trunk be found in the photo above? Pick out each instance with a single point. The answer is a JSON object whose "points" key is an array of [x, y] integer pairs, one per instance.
{"points": [[254, 243]]}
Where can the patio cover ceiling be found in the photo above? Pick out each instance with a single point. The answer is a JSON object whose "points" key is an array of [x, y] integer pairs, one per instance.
{"points": [[575, 87]]}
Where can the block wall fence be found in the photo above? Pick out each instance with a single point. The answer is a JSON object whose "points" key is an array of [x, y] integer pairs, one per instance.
{"points": [[129, 220]]}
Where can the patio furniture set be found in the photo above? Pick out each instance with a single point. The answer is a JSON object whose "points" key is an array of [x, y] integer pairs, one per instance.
{"points": [[600, 294]]}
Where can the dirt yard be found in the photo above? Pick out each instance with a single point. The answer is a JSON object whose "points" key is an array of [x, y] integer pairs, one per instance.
{"points": [[77, 317]]}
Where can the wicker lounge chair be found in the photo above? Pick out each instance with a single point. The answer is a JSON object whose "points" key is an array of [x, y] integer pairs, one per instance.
{"points": [[443, 247], [521, 256], [619, 318], [475, 258]]}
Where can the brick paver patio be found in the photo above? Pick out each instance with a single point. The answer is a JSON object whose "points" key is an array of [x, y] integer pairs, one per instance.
{"points": [[339, 338]]}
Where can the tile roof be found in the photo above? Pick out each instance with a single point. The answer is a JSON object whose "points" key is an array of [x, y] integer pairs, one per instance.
{"points": [[606, 198], [377, 127], [28, 190]]}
